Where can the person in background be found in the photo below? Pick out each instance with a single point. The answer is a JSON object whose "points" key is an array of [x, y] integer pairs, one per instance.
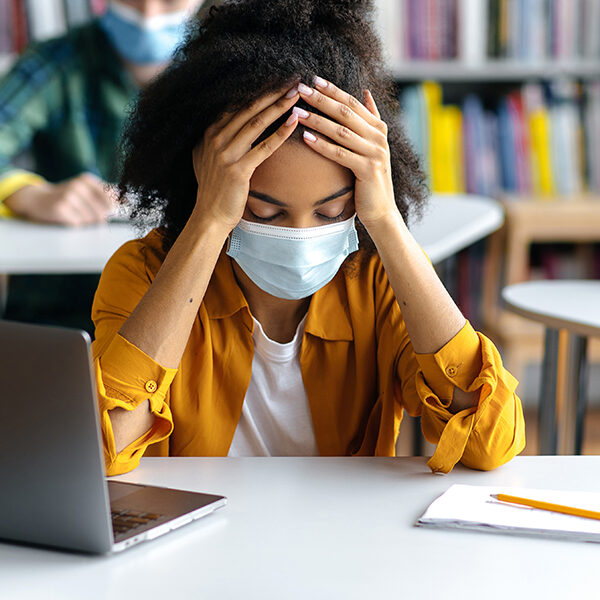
{"points": [[64, 103]]}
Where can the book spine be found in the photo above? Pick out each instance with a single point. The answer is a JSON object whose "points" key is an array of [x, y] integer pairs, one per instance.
{"points": [[433, 102], [513, 17], [472, 18], [389, 24], [539, 131], [493, 29], [507, 147], [400, 31], [6, 41], [504, 27], [20, 27], [412, 25], [592, 140], [591, 29]]}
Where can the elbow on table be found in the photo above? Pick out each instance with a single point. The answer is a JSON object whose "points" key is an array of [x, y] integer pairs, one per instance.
{"points": [[493, 453], [121, 464]]}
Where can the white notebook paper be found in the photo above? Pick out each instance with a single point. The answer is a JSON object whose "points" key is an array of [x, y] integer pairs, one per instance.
{"points": [[471, 507]]}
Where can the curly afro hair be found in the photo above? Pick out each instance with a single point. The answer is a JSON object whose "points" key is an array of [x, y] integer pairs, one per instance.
{"points": [[241, 50]]}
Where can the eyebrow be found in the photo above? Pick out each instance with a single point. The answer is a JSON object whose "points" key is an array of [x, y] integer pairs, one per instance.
{"points": [[271, 200]]}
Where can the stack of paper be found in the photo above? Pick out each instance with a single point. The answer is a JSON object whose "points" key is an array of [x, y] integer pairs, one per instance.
{"points": [[472, 507]]}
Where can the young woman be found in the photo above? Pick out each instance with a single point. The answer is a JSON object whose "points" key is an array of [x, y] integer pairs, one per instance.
{"points": [[282, 307]]}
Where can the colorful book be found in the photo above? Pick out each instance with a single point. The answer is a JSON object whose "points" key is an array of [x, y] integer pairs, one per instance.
{"points": [[539, 133]]}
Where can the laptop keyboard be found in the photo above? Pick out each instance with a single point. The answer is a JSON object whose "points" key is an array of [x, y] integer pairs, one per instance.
{"points": [[126, 520]]}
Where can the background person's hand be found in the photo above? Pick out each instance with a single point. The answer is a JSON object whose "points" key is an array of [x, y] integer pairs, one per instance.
{"points": [[224, 161], [82, 200]]}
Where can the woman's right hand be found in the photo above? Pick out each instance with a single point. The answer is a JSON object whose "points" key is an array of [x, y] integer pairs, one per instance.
{"points": [[224, 161]]}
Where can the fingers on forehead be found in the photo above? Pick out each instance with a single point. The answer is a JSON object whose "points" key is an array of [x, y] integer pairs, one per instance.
{"points": [[346, 98]]}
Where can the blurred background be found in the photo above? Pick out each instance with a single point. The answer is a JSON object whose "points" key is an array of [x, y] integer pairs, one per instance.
{"points": [[500, 98]]}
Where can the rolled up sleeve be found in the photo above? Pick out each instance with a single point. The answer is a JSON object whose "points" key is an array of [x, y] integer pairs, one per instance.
{"points": [[484, 436], [125, 375], [12, 182]]}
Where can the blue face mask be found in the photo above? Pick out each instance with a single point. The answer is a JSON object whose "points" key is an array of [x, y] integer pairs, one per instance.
{"points": [[143, 40], [292, 263]]}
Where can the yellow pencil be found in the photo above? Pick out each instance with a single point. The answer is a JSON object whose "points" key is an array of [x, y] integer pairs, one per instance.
{"points": [[559, 508]]}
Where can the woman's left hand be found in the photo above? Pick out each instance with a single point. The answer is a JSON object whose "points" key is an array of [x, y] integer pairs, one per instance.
{"points": [[359, 142]]}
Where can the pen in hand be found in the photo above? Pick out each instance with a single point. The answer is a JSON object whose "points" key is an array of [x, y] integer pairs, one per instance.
{"points": [[558, 508]]}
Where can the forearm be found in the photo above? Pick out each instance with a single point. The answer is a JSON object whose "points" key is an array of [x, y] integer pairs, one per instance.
{"points": [[431, 316], [128, 426], [161, 323]]}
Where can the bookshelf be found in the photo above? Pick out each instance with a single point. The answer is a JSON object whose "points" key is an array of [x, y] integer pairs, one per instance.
{"points": [[491, 49], [492, 70]]}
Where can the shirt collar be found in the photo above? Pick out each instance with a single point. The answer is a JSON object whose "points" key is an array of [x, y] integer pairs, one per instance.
{"points": [[328, 315], [224, 297]]}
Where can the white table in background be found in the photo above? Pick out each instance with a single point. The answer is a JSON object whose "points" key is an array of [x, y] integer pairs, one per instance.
{"points": [[33, 248], [573, 308], [312, 528], [450, 223]]}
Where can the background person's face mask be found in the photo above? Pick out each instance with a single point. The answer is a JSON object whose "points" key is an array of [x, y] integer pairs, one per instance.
{"points": [[142, 40], [292, 263]]}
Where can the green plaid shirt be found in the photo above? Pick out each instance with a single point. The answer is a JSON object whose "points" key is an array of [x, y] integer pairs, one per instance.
{"points": [[65, 101]]}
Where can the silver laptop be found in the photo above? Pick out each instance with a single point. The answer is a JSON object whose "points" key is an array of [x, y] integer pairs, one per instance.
{"points": [[53, 489]]}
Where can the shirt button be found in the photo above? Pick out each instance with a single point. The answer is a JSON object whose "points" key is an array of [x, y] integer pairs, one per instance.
{"points": [[451, 371], [151, 386]]}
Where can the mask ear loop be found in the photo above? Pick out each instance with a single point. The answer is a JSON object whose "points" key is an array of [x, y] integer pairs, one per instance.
{"points": [[232, 240]]}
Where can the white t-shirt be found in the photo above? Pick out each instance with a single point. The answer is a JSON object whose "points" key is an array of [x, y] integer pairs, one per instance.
{"points": [[276, 419]]}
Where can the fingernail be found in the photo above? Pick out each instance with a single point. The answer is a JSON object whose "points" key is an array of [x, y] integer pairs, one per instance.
{"points": [[291, 119], [304, 89], [309, 136], [320, 82], [292, 92], [300, 112]]}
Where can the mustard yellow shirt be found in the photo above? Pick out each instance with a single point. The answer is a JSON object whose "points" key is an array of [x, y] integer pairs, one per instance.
{"points": [[358, 365]]}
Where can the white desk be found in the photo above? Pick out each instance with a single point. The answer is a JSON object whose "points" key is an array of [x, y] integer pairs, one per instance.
{"points": [[453, 222], [32, 248], [570, 311], [312, 528], [559, 304]]}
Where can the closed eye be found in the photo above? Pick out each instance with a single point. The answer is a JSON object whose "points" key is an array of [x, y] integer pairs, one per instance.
{"points": [[265, 219], [339, 217]]}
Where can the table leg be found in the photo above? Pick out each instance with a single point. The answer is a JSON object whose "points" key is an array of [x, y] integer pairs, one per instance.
{"points": [[572, 390], [547, 404], [581, 373], [3, 292]]}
